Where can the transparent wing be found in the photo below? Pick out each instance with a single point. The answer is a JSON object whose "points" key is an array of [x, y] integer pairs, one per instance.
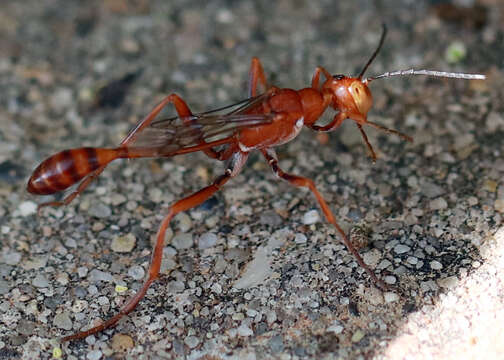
{"points": [[173, 134]]}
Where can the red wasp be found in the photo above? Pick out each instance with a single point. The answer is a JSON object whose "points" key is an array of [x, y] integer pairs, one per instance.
{"points": [[260, 122]]}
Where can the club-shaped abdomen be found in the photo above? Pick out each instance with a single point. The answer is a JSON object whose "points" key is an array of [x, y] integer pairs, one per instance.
{"points": [[68, 167]]}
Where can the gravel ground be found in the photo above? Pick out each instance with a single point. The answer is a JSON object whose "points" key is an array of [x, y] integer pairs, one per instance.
{"points": [[255, 272]]}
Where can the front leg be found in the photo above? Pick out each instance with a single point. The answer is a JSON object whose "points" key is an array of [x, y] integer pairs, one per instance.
{"points": [[299, 181], [333, 125]]}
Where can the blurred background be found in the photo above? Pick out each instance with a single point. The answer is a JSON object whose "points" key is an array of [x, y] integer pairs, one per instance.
{"points": [[427, 214]]}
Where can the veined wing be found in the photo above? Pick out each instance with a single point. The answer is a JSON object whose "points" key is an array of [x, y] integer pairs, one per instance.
{"points": [[173, 134]]}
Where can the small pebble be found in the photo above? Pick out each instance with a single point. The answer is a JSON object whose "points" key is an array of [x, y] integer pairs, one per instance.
{"points": [[357, 336], [63, 321], [4, 287], [216, 288], [27, 208], [121, 342], [184, 222], [389, 279], [276, 344], [244, 330], [335, 327], [412, 260], [182, 241], [11, 258], [62, 278], [311, 217], [123, 244], [156, 195], [120, 288], [117, 199], [71, 243], [238, 316], [390, 297], [103, 300], [191, 341], [251, 313], [79, 306], [40, 281], [94, 355], [300, 238], [371, 258], [100, 210], [383, 264], [136, 272], [438, 204], [271, 317], [207, 240], [431, 190], [167, 264], [98, 275], [435, 265], [61, 99], [490, 185], [82, 271], [401, 249], [57, 353], [448, 282], [499, 205]]}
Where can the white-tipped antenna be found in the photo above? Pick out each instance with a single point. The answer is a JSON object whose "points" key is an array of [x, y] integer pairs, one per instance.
{"points": [[428, 73]]}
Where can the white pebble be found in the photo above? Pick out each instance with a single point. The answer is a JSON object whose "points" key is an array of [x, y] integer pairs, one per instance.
{"points": [[390, 297], [311, 217], [27, 208], [300, 238], [436, 265]]}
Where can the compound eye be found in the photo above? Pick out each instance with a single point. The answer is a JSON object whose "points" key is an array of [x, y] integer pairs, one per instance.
{"points": [[361, 96]]}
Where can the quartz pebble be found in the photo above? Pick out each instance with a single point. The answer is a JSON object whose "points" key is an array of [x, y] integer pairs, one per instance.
{"points": [[311, 217], [27, 208], [436, 265]]}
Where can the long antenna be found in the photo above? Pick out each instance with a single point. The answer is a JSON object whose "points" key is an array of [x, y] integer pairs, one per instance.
{"points": [[382, 39], [428, 73]]}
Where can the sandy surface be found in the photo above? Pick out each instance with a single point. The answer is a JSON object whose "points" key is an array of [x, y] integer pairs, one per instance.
{"points": [[255, 272]]}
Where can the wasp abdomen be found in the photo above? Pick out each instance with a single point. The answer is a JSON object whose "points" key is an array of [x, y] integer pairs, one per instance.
{"points": [[68, 167]]}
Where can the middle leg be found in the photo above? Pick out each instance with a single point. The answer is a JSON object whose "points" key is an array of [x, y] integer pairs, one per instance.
{"points": [[299, 181]]}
